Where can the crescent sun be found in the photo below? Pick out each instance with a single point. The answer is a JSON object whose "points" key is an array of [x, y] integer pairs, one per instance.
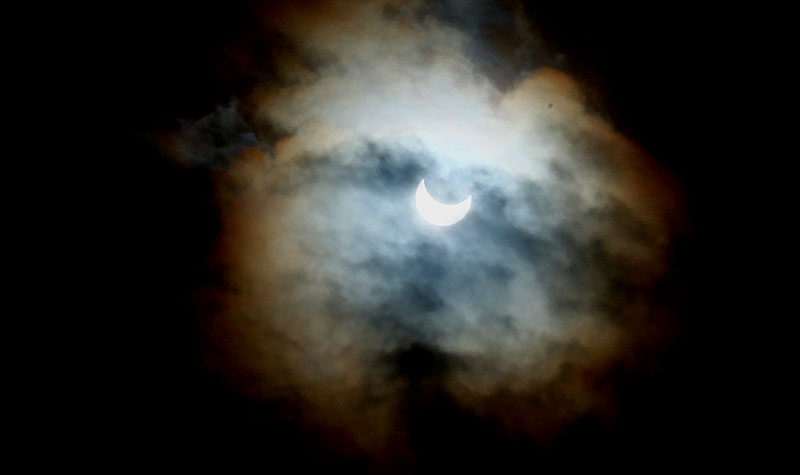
{"points": [[440, 214]]}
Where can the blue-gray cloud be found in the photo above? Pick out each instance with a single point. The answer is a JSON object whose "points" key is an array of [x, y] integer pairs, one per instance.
{"points": [[330, 276]]}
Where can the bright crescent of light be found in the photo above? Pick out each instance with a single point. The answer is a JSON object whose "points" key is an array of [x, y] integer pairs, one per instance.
{"points": [[440, 214]]}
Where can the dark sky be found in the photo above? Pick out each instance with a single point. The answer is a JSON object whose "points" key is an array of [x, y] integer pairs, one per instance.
{"points": [[181, 384]]}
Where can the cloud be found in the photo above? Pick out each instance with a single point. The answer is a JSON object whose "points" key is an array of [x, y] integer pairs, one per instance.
{"points": [[331, 281], [215, 139]]}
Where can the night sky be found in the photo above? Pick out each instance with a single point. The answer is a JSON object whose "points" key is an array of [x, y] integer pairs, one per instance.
{"points": [[282, 304]]}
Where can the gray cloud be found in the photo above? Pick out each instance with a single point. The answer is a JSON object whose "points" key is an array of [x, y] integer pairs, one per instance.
{"points": [[215, 139], [330, 275]]}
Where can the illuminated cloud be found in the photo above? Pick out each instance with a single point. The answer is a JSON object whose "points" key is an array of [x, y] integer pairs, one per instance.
{"points": [[329, 276]]}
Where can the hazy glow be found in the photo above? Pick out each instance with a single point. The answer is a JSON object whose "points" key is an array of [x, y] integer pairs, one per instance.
{"points": [[437, 213]]}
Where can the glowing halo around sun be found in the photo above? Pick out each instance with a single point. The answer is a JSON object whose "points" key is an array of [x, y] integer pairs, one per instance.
{"points": [[440, 214]]}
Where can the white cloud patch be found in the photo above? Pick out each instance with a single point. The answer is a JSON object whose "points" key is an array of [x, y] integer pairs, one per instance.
{"points": [[329, 269]]}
